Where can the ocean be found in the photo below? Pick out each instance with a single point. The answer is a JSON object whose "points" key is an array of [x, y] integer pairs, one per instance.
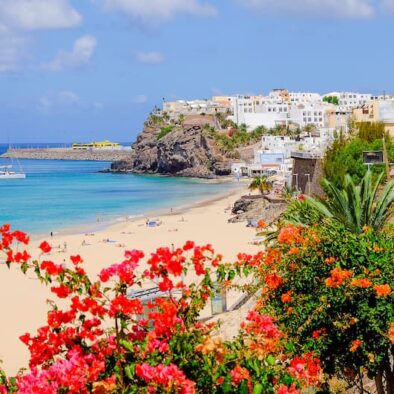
{"points": [[58, 195]]}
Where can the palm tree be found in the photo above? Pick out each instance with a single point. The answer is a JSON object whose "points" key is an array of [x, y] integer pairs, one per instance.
{"points": [[357, 206], [261, 184]]}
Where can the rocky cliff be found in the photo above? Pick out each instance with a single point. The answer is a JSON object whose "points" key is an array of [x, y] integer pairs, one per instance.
{"points": [[181, 149]]}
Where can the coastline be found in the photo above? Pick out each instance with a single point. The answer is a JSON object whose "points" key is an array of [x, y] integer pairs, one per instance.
{"points": [[25, 298], [116, 219]]}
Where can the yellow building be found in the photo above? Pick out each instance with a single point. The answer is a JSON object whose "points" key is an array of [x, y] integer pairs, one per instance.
{"points": [[376, 111], [97, 145], [224, 101]]}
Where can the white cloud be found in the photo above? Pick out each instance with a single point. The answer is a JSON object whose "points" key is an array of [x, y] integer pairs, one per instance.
{"points": [[19, 16], [323, 8], [388, 5], [68, 98], [140, 99], [39, 14], [149, 57], [65, 100], [80, 55], [157, 10], [12, 49]]}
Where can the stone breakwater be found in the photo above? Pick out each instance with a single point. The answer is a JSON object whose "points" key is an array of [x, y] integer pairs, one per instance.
{"points": [[68, 154]]}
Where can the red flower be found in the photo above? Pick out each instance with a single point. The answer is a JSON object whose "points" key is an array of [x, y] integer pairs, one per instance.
{"points": [[166, 284], [21, 236], [188, 245], [45, 247], [122, 304], [287, 390], [62, 291], [5, 228], [51, 268], [76, 259], [238, 374], [220, 380], [21, 256]]}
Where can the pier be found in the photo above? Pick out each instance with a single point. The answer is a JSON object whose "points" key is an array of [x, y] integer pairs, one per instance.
{"points": [[69, 154]]}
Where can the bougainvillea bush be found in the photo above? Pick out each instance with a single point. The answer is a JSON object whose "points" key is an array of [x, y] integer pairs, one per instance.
{"points": [[332, 292], [106, 341]]}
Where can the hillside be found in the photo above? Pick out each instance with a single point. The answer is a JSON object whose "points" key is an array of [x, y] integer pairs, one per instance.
{"points": [[182, 148]]}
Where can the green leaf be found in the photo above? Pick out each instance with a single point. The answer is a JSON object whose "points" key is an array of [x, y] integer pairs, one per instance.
{"points": [[271, 360], [127, 345], [258, 388], [129, 370]]}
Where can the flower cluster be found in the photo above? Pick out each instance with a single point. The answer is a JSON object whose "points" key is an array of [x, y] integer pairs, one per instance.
{"points": [[104, 340]]}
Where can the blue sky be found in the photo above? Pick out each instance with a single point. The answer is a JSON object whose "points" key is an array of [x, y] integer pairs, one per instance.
{"points": [[80, 70]]}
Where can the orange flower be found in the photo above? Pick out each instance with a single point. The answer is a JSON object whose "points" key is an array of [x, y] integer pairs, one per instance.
{"points": [[330, 260], [355, 345], [294, 250], [366, 229], [363, 283], [273, 281], [286, 297], [377, 249], [391, 333], [382, 290], [338, 276], [290, 310], [261, 224], [290, 235]]}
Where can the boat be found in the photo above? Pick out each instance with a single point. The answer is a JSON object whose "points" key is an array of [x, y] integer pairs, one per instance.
{"points": [[6, 173]]}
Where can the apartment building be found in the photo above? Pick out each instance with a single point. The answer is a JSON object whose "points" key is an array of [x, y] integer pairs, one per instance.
{"points": [[376, 111], [347, 101], [194, 107]]}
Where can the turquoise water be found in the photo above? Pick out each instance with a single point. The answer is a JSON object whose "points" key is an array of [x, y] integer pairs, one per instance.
{"points": [[60, 194]]}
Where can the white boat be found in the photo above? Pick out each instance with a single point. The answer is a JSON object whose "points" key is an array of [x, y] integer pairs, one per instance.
{"points": [[6, 173]]}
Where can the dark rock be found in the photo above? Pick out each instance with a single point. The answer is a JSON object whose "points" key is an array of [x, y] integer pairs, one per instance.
{"points": [[184, 151], [241, 205], [222, 168], [249, 207]]}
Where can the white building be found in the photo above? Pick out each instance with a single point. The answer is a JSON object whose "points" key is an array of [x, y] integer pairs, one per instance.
{"points": [[347, 101], [280, 108], [193, 107]]}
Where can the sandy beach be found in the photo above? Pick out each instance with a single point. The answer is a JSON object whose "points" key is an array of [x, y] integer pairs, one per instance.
{"points": [[23, 297]]}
